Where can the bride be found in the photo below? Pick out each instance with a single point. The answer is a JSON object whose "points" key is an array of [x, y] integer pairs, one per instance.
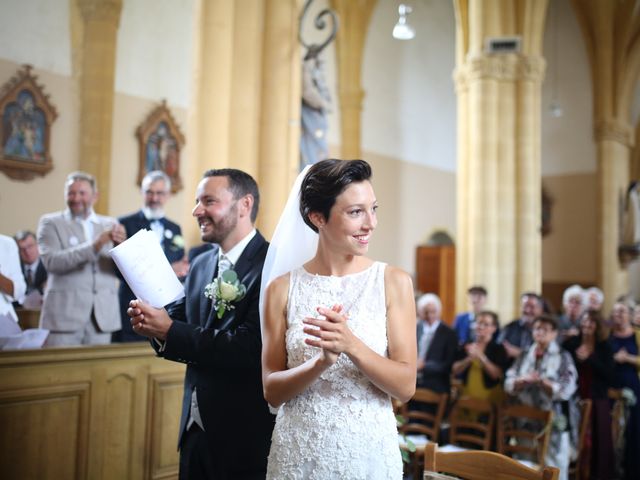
{"points": [[338, 335]]}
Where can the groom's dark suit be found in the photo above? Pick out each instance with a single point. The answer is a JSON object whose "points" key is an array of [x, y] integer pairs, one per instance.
{"points": [[223, 363]]}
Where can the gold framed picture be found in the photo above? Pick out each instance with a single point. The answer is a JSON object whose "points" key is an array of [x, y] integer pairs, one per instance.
{"points": [[160, 143], [25, 130]]}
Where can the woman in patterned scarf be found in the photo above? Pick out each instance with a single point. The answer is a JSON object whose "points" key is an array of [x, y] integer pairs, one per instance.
{"points": [[544, 376]]}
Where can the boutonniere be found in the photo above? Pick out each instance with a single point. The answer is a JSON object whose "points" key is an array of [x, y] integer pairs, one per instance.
{"points": [[224, 290], [177, 242]]}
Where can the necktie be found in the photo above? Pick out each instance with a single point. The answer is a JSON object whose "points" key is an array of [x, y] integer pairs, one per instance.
{"points": [[29, 278], [224, 264]]}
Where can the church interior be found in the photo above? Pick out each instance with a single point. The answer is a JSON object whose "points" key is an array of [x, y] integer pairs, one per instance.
{"points": [[521, 156]]}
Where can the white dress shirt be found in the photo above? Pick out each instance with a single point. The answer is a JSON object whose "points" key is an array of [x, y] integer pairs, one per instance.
{"points": [[10, 268]]}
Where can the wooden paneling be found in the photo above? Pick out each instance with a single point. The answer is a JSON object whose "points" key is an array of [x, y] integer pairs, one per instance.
{"points": [[100, 413], [48, 423], [436, 273], [164, 401]]}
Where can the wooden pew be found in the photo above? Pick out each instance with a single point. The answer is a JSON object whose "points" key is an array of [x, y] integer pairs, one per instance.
{"points": [[98, 412]]}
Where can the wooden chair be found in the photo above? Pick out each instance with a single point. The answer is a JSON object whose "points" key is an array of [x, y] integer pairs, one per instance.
{"points": [[617, 414], [471, 423], [576, 469], [482, 465], [618, 424], [423, 417], [516, 438]]}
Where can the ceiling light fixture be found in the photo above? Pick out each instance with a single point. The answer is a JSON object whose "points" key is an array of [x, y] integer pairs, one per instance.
{"points": [[402, 30]]}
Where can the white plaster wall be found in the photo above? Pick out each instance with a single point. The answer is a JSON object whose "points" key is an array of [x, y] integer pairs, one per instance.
{"points": [[36, 32], [410, 105], [155, 50], [567, 142]]}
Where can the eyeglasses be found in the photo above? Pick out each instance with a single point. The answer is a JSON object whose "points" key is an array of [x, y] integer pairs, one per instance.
{"points": [[484, 324], [158, 193], [543, 329]]}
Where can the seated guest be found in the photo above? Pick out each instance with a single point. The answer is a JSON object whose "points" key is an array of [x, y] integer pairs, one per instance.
{"points": [[545, 377], [481, 364], [516, 336], [464, 322], [592, 354], [574, 301], [12, 284], [437, 344], [155, 189], [33, 270], [626, 353]]}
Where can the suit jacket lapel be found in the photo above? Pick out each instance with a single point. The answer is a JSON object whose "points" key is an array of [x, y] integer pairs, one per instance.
{"points": [[209, 273], [244, 267]]}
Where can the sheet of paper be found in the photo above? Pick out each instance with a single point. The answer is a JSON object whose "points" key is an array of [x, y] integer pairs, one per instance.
{"points": [[30, 338], [13, 337], [145, 268], [8, 326]]}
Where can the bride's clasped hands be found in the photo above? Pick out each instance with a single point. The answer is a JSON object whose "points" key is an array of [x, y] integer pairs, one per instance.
{"points": [[330, 332]]}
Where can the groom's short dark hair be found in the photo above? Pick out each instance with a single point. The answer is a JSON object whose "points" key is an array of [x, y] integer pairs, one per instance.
{"points": [[240, 184], [326, 180]]}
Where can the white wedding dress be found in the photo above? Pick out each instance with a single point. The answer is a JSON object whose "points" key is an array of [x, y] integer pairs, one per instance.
{"points": [[342, 426]]}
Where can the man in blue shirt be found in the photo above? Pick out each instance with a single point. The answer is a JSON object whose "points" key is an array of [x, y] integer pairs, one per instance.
{"points": [[464, 322]]}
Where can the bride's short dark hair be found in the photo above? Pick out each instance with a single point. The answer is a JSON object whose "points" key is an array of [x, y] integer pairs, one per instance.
{"points": [[326, 180]]}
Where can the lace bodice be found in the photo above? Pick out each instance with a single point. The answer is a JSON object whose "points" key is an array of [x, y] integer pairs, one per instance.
{"points": [[342, 426]]}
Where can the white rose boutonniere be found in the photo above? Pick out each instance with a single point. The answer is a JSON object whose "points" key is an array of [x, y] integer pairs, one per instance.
{"points": [[177, 242], [224, 290]]}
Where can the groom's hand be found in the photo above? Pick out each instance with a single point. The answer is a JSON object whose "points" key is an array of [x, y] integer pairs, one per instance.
{"points": [[149, 321]]}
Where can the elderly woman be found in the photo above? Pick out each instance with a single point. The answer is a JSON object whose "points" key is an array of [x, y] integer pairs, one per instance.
{"points": [[544, 376], [595, 298], [574, 300], [593, 357], [626, 345], [481, 364]]}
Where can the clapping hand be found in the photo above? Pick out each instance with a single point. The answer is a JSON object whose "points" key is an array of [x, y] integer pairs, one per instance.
{"points": [[118, 234], [115, 234], [531, 378], [621, 355], [583, 352], [474, 351], [512, 350], [331, 332]]}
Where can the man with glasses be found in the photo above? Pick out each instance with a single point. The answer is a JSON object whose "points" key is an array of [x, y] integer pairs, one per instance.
{"points": [[517, 337], [155, 189]]}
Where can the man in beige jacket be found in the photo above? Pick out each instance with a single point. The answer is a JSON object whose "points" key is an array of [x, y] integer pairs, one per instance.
{"points": [[81, 299]]}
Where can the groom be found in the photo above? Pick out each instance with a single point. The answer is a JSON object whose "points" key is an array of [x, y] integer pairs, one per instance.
{"points": [[225, 430]]}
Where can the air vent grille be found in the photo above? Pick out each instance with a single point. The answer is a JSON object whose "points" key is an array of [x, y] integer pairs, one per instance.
{"points": [[502, 45]]}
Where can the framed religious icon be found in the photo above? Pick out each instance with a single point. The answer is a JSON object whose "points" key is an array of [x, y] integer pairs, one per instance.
{"points": [[25, 130], [160, 142]]}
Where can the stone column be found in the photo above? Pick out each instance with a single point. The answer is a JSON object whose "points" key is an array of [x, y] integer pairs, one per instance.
{"points": [[248, 96], [279, 147], [609, 33], [613, 147], [498, 185], [354, 16], [96, 60]]}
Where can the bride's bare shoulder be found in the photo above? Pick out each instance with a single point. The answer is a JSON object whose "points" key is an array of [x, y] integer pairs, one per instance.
{"points": [[279, 285], [397, 278]]}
